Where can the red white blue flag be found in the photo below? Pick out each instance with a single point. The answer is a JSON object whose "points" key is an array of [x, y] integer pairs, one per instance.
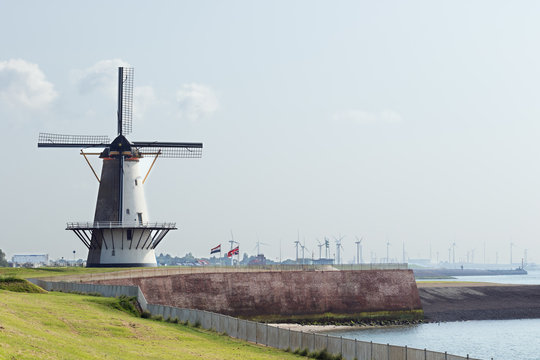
{"points": [[234, 251], [217, 249]]}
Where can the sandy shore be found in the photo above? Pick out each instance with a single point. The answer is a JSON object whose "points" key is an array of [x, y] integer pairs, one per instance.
{"points": [[321, 328]]}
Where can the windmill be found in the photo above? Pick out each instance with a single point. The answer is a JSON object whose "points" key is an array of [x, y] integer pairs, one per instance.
{"points": [[358, 243], [121, 234]]}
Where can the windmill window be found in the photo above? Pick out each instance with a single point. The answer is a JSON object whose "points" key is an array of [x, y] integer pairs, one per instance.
{"points": [[130, 234], [127, 211], [136, 182], [139, 215]]}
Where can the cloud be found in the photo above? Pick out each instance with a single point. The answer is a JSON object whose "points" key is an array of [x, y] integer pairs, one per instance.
{"points": [[196, 101], [102, 77], [366, 117], [23, 84]]}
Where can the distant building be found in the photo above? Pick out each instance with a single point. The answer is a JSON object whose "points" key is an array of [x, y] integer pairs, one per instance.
{"points": [[259, 260], [323, 261], [30, 260]]}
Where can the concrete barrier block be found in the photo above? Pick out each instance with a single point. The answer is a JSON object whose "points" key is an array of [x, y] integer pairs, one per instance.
{"points": [[192, 317], [251, 331], [396, 352], [223, 324], [206, 320], [380, 352], [334, 345], [296, 340], [242, 329], [272, 334], [232, 326], [215, 321], [284, 341], [260, 330], [348, 349], [308, 341], [319, 342], [363, 350], [433, 355]]}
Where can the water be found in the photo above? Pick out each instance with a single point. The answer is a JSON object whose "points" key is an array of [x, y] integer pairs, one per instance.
{"points": [[532, 278], [485, 339]]}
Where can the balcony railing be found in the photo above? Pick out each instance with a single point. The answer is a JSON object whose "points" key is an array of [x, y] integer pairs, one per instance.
{"points": [[119, 225]]}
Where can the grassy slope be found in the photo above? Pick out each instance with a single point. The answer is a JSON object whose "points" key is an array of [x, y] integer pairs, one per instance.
{"points": [[67, 326], [53, 271]]}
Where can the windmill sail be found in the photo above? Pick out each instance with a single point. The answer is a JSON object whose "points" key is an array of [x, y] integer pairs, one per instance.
{"points": [[125, 100], [170, 149], [78, 141]]}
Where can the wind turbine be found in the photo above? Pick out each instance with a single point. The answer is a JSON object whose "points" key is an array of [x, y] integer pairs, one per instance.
{"points": [[296, 243], [358, 243], [258, 246], [327, 247], [320, 248], [338, 248], [303, 249], [232, 247]]}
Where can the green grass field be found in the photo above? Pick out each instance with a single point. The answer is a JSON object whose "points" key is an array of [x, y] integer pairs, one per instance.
{"points": [[53, 271], [67, 326]]}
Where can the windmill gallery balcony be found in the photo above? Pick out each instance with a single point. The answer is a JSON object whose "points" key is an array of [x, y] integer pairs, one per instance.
{"points": [[128, 235]]}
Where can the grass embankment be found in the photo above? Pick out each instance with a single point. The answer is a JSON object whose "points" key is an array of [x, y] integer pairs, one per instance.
{"points": [[375, 317], [67, 326], [53, 271], [15, 284]]}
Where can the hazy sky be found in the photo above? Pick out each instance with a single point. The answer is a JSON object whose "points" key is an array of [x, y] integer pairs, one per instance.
{"points": [[411, 122]]}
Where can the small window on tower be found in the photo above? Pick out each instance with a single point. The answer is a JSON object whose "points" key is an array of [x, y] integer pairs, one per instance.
{"points": [[129, 234], [136, 182], [127, 211]]}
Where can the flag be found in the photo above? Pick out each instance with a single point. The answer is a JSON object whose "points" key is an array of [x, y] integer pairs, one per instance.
{"points": [[234, 251], [217, 249]]}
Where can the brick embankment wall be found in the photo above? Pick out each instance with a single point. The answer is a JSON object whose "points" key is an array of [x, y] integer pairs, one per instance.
{"points": [[458, 303], [283, 293]]}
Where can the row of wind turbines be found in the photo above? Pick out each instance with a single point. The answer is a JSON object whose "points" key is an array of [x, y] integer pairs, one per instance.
{"points": [[339, 247]]}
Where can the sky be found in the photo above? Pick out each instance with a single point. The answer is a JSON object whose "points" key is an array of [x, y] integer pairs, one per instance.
{"points": [[413, 123]]}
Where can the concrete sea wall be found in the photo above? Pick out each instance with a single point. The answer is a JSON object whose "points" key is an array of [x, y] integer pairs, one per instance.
{"points": [[283, 293]]}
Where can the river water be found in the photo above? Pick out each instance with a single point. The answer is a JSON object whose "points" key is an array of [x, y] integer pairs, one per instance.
{"points": [[484, 339]]}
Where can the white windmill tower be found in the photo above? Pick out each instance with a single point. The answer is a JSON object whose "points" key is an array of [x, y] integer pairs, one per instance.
{"points": [[121, 234]]}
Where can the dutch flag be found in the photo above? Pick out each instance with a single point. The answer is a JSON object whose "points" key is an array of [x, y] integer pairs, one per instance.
{"points": [[217, 249]]}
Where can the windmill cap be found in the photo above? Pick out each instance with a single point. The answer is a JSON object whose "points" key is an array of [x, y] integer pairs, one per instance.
{"points": [[120, 147]]}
